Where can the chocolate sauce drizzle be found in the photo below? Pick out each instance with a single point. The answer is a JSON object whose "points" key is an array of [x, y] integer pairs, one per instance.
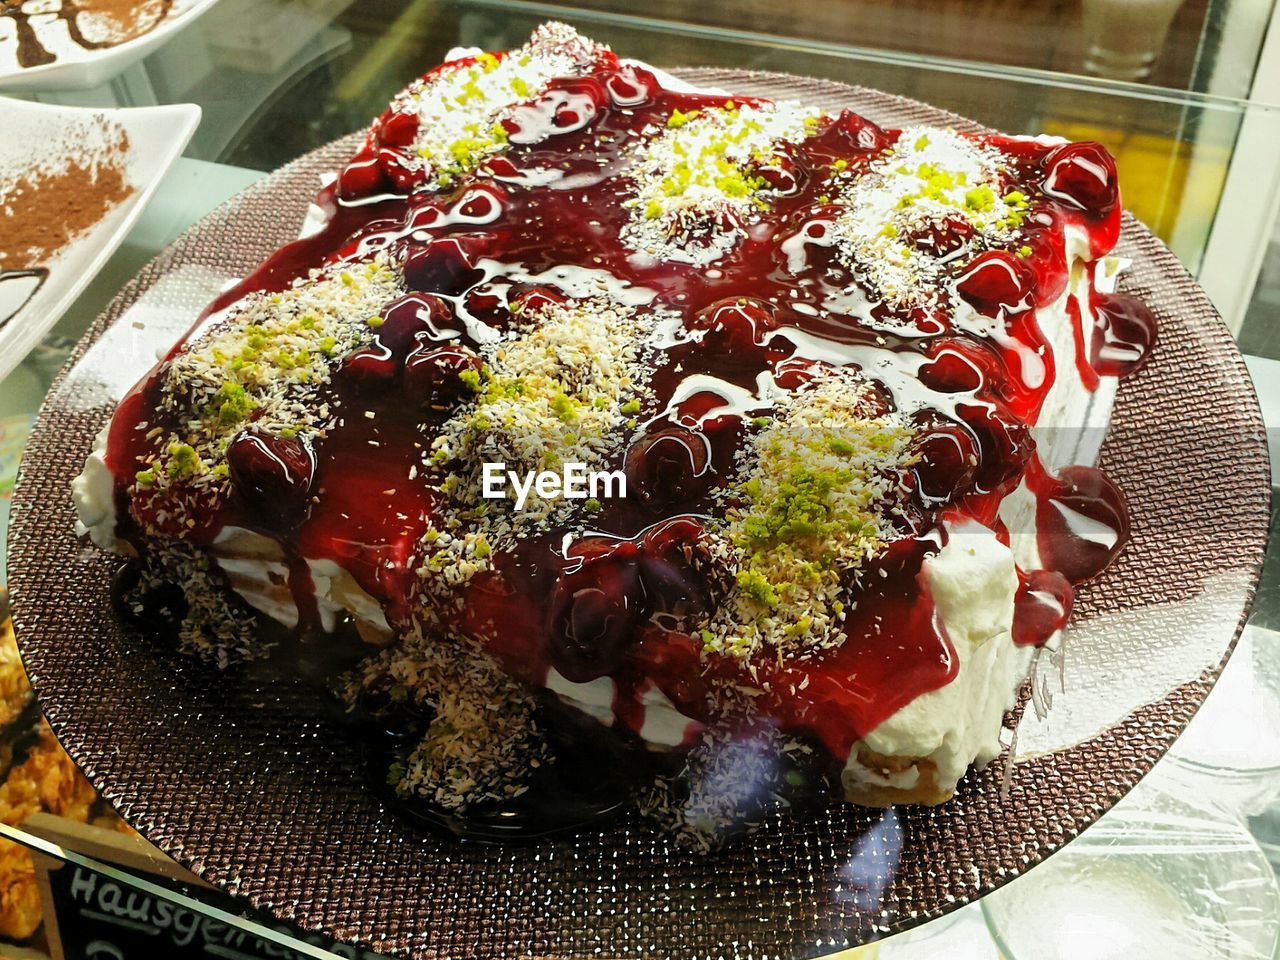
{"points": [[33, 279], [33, 53]]}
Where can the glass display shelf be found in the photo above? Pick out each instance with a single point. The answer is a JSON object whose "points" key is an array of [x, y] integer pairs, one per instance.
{"points": [[1197, 161]]}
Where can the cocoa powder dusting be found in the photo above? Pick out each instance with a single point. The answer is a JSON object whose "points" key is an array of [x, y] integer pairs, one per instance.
{"points": [[116, 21], [46, 207]]}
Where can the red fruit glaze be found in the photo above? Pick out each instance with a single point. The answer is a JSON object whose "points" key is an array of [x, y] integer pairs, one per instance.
{"points": [[996, 284], [271, 474]]}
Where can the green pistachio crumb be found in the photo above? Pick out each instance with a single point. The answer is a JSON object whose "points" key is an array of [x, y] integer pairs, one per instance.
{"points": [[678, 119], [757, 588], [564, 407], [183, 461], [231, 403], [980, 199]]}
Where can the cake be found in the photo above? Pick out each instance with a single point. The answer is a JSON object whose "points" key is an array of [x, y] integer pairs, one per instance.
{"points": [[736, 452]]}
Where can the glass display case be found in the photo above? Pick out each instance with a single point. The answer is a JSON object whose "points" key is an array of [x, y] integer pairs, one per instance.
{"points": [[1187, 98]]}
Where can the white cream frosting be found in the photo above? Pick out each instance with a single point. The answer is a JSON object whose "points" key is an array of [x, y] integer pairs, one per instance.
{"points": [[337, 592], [663, 726], [663, 723], [973, 582], [94, 495], [594, 698], [256, 570]]}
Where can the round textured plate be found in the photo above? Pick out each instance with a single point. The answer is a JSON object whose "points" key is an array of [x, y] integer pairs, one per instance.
{"points": [[237, 777]]}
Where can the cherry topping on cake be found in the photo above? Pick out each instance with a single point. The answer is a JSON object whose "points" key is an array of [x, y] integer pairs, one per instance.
{"points": [[595, 610], [630, 86], [501, 167], [482, 203], [996, 283], [1124, 333], [948, 462], [737, 328], [443, 265], [578, 101], [1004, 442], [371, 369], [433, 375], [1046, 257], [398, 129], [1084, 176], [960, 365], [402, 174], [794, 372], [942, 237], [271, 473], [744, 319], [672, 569], [1042, 606], [782, 172], [415, 316], [362, 177], [669, 465], [861, 132], [1082, 521], [537, 298], [569, 103]]}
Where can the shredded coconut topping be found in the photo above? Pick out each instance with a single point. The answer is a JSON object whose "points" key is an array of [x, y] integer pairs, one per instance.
{"points": [[825, 478], [214, 624], [934, 199], [483, 741], [558, 392], [262, 363], [461, 107], [703, 179]]}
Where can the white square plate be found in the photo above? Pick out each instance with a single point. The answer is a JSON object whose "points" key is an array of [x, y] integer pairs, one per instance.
{"points": [[77, 67], [30, 305]]}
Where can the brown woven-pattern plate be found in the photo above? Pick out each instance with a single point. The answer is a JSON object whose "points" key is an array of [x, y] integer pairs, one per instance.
{"points": [[236, 778]]}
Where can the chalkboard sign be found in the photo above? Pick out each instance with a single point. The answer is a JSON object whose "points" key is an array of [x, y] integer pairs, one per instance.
{"points": [[99, 918], [91, 916]]}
